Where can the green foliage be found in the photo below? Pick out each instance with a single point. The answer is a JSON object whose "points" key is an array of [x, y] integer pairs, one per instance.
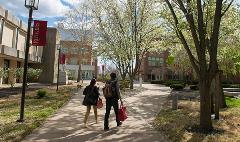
{"points": [[33, 74], [171, 82], [41, 93], [157, 82], [70, 75], [232, 102], [230, 85], [38, 110], [170, 60], [18, 73], [177, 86], [123, 42], [124, 84], [4, 72], [107, 77], [194, 87], [100, 78]]}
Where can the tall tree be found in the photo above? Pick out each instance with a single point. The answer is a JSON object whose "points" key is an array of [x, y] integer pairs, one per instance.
{"points": [[202, 19], [127, 30], [77, 25]]}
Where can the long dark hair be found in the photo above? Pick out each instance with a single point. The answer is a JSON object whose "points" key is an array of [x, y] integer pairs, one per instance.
{"points": [[93, 82]]}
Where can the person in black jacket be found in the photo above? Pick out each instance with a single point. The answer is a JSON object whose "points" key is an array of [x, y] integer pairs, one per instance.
{"points": [[93, 95], [112, 101]]}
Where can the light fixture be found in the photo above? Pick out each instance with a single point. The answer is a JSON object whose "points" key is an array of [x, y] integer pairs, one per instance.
{"points": [[32, 4]]}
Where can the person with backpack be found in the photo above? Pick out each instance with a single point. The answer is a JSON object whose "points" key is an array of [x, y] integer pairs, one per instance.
{"points": [[111, 92], [91, 93]]}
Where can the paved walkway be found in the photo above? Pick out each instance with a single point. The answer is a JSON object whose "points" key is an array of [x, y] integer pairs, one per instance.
{"points": [[67, 124]]}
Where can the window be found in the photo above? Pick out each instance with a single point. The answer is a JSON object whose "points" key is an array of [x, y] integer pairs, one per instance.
{"points": [[73, 61], [155, 61], [74, 50], [1, 29], [84, 61], [64, 50]]}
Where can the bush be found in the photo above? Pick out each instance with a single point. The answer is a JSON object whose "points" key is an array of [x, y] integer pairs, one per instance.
{"points": [[124, 84], [194, 87], [226, 85], [158, 82], [171, 82], [177, 86], [194, 82], [33, 74], [235, 86], [70, 75], [41, 93], [231, 85]]}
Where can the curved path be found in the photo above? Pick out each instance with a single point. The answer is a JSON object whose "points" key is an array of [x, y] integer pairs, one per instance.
{"points": [[67, 124]]}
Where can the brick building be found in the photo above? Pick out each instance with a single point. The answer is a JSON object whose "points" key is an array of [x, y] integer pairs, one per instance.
{"points": [[154, 66], [76, 54]]}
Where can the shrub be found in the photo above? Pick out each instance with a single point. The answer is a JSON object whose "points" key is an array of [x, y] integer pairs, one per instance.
{"points": [[235, 86], [226, 85], [177, 86], [194, 82], [33, 74], [193, 87], [41, 93], [70, 75], [171, 82], [124, 84], [4, 72], [158, 82]]}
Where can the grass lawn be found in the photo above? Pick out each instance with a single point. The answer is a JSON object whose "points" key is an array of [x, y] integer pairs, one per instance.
{"points": [[179, 125], [36, 111]]}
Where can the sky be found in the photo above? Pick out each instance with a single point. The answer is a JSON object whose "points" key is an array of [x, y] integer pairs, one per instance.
{"points": [[49, 10]]}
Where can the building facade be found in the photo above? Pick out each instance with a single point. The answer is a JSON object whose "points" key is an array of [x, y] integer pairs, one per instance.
{"points": [[49, 64], [154, 66], [13, 33], [78, 53]]}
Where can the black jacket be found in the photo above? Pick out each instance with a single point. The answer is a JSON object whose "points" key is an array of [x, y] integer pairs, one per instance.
{"points": [[93, 91]]}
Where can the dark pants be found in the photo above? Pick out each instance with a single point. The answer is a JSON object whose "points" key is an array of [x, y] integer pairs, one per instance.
{"points": [[109, 103]]}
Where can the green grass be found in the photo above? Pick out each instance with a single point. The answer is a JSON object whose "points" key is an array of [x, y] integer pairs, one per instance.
{"points": [[232, 102], [36, 111]]}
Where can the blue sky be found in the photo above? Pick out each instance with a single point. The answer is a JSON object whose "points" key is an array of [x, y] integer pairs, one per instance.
{"points": [[49, 10]]}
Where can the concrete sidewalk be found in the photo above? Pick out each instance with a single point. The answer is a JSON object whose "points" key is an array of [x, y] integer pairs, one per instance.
{"points": [[67, 124]]}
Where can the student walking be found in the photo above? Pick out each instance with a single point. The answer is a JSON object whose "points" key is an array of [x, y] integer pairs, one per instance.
{"points": [[91, 93], [112, 95]]}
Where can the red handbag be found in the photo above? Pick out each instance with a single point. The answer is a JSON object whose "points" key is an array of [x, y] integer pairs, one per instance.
{"points": [[122, 113], [99, 103]]}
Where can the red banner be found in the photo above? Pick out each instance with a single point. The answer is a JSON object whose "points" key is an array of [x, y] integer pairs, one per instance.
{"points": [[62, 58], [39, 33]]}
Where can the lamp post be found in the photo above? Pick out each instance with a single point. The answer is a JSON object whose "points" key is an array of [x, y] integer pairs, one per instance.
{"points": [[59, 53], [31, 5]]}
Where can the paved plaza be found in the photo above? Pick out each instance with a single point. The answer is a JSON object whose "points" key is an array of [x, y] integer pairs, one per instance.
{"points": [[67, 124]]}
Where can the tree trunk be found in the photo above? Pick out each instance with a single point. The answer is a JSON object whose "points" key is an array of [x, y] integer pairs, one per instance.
{"points": [[131, 82], [79, 73], [205, 105], [123, 76], [217, 95], [212, 103], [212, 93], [222, 101]]}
